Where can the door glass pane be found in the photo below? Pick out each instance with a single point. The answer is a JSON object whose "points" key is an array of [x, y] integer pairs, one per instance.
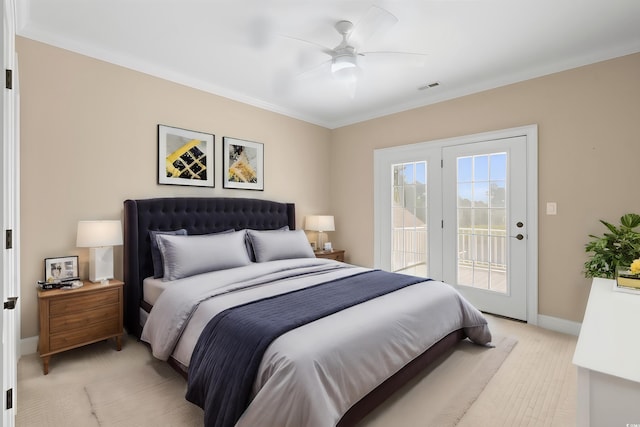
{"points": [[409, 219], [482, 242]]}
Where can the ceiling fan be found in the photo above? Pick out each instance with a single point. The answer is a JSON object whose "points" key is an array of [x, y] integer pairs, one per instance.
{"points": [[343, 61]]}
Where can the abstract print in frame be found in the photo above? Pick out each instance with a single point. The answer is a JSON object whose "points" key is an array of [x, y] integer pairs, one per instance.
{"points": [[185, 157], [243, 164]]}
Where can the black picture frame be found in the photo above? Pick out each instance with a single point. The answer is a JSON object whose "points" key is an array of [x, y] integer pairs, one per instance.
{"points": [[61, 269], [243, 164], [185, 157]]}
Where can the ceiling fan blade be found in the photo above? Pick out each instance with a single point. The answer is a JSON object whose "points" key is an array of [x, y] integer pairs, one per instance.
{"points": [[376, 20], [323, 68], [411, 58], [322, 48]]}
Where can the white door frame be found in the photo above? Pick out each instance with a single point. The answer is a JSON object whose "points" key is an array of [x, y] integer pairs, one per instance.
{"points": [[384, 158], [10, 194]]}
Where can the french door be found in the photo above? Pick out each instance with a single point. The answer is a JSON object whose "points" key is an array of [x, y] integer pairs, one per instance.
{"points": [[485, 224], [463, 210], [407, 211]]}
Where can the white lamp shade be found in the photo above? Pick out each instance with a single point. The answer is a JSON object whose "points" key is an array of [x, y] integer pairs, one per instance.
{"points": [[319, 223], [96, 234], [100, 236]]}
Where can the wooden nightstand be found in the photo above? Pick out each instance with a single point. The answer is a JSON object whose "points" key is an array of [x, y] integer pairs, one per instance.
{"points": [[77, 317], [337, 254]]}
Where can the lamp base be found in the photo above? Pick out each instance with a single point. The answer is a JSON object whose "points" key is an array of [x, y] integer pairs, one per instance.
{"points": [[101, 263], [320, 244]]}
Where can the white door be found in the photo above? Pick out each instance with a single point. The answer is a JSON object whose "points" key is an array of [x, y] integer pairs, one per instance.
{"points": [[407, 213], [485, 224], [9, 193], [463, 210]]}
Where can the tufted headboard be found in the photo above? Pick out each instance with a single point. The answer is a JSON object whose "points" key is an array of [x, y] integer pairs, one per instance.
{"points": [[198, 215]]}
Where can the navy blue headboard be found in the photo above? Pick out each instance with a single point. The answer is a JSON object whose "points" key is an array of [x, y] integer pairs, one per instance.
{"points": [[199, 215]]}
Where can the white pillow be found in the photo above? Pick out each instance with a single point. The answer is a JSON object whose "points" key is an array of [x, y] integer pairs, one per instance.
{"points": [[184, 256], [275, 245]]}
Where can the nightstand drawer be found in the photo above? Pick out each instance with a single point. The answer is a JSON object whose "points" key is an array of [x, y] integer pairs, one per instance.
{"points": [[69, 322], [76, 317], [82, 303], [82, 336]]}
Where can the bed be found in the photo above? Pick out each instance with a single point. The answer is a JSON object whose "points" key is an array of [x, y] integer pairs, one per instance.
{"points": [[331, 370]]}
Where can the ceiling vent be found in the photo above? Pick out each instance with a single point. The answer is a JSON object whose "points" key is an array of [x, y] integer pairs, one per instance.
{"points": [[429, 86]]}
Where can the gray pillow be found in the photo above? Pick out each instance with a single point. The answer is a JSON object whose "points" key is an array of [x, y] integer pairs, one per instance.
{"points": [[275, 245], [156, 258], [185, 256], [250, 248]]}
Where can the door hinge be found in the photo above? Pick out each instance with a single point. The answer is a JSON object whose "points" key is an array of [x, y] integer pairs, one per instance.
{"points": [[8, 238], [9, 79], [442, 223], [9, 399], [10, 304], [441, 163]]}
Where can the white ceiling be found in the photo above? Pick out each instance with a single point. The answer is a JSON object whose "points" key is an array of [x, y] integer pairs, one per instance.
{"points": [[244, 49]]}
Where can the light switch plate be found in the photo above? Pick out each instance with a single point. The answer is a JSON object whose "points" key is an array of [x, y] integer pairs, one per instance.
{"points": [[552, 208]]}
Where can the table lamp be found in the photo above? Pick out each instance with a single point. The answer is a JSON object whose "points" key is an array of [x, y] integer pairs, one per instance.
{"points": [[100, 237], [319, 223]]}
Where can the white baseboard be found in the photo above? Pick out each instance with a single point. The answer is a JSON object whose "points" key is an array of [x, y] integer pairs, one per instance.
{"points": [[28, 345], [559, 325]]}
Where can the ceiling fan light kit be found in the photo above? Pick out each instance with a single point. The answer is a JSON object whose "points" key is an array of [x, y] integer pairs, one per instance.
{"points": [[341, 62], [349, 74]]}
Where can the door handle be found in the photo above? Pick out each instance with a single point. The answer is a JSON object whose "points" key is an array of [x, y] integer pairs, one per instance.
{"points": [[10, 304]]}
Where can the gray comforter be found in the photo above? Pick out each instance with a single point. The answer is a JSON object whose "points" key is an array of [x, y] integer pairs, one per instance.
{"points": [[311, 375]]}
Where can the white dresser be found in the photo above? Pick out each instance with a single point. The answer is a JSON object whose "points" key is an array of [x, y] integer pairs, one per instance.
{"points": [[608, 359]]}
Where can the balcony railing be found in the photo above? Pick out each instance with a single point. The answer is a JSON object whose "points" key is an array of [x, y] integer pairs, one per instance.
{"points": [[408, 248], [475, 247]]}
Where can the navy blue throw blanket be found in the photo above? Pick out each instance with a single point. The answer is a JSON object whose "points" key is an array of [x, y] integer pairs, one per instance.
{"points": [[220, 382]]}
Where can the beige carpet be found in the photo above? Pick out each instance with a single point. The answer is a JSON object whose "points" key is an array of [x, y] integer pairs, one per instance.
{"points": [[97, 386], [440, 397], [536, 386], [152, 395]]}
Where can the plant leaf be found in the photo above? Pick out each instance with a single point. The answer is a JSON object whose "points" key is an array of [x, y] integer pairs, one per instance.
{"points": [[619, 246], [630, 220], [611, 227]]}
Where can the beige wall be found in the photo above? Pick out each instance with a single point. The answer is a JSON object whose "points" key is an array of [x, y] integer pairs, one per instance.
{"points": [[88, 142], [88, 132], [589, 151]]}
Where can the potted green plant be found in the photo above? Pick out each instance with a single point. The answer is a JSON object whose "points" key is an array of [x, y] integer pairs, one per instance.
{"points": [[618, 248]]}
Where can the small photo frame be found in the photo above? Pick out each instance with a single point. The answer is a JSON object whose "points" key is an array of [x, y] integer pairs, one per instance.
{"points": [[243, 164], [61, 269], [185, 157]]}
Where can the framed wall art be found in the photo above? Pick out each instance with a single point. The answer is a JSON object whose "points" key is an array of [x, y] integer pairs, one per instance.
{"points": [[243, 164], [61, 269], [185, 157]]}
